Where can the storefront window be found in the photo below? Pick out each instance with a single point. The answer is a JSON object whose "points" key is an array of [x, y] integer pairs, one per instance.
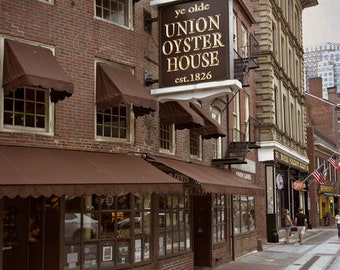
{"points": [[244, 214], [174, 223], [107, 231], [219, 218]]}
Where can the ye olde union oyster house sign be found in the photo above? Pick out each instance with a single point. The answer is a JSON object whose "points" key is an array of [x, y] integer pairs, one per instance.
{"points": [[195, 51]]}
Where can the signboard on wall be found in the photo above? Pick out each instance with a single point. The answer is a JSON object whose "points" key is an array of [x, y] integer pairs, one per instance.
{"points": [[194, 42]]}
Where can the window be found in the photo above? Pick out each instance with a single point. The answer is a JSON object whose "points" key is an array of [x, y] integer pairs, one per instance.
{"points": [[244, 37], [218, 221], [116, 11], [244, 214], [195, 146], [217, 142], [235, 32], [107, 231], [174, 223], [236, 118], [47, 1], [27, 108], [167, 138], [115, 123]]}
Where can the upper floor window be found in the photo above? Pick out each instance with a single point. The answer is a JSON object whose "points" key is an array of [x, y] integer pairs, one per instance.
{"points": [[27, 107], [244, 41], [115, 122], [217, 142], [195, 146], [32, 81], [167, 138], [47, 1], [116, 11]]}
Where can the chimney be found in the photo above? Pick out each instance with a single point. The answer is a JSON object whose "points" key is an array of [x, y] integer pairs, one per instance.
{"points": [[315, 86]]}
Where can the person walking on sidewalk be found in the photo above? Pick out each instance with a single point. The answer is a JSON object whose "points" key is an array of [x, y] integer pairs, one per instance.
{"points": [[287, 224], [337, 217], [300, 223]]}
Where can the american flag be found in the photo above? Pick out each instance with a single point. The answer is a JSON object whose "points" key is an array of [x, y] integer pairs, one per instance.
{"points": [[332, 160], [318, 175]]}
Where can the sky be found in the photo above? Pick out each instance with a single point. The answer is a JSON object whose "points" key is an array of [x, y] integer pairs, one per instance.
{"points": [[321, 23]]}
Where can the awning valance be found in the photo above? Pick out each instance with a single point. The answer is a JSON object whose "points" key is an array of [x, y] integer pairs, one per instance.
{"points": [[180, 114], [45, 172], [115, 86], [211, 129], [29, 65], [210, 179]]}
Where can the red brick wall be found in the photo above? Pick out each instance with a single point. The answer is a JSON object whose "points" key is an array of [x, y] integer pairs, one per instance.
{"points": [[183, 262], [245, 243]]}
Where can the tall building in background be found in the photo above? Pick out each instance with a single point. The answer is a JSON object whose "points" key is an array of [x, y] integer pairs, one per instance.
{"points": [[323, 60]]}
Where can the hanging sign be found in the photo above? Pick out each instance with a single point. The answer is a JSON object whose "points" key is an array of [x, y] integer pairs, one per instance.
{"points": [[298, 185], [194, 42], [279, 181]]}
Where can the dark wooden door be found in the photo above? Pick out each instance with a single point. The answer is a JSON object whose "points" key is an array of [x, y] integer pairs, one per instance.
{"points": [[14, 234], [202, 230]]}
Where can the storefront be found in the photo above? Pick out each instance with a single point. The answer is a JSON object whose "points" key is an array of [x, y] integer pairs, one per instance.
{"points": [[326, 205], [281, 194], [73, 210], [224, 217]]}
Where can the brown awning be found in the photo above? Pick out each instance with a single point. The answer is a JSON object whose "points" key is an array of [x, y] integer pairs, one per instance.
{"points": [[35, 172], [180, 114], [29, 65], [115, 86], [211, 129], [209, 179]]}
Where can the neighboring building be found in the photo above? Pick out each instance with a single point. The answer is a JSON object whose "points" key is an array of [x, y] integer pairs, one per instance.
{"points": [[280, 105], [322, 134], [323, 60], [95, 173]]}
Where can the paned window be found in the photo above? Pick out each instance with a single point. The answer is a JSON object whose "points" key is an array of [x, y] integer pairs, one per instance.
{"points": [[218, 220], [117, 11], [114, 122], [174, 223], [27, 108], [167, 133], [244, 214], [195, 146], [217, 142], [107, 231]]}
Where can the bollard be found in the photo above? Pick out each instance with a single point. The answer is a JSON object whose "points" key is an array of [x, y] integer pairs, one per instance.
{"points": [[259, 244]]}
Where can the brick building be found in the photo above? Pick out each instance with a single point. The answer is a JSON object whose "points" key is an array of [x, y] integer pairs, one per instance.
{"points": [[322, 136], [95, 172]]}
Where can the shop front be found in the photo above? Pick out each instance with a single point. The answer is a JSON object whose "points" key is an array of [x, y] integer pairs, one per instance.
{"points": [[82, 210], [326, 203], [223, 207], [285, 190]]}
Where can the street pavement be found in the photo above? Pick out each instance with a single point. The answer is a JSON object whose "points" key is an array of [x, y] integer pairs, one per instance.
{"points": [[319, 250]]}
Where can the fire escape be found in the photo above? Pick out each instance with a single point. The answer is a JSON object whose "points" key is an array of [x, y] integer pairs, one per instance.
{"points": [[240, 142]]}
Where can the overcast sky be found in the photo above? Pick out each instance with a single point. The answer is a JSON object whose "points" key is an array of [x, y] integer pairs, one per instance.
{"points": [[321, 23]]}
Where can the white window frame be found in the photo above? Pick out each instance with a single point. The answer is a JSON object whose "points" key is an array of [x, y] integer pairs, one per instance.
{"points": [[199, 141], [130, 137], [172, 144], [217, 142], [129, 15]]}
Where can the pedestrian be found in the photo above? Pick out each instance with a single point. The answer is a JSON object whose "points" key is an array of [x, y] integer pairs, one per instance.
{"points": [[287, 224], [300, 223], [337, 217]]}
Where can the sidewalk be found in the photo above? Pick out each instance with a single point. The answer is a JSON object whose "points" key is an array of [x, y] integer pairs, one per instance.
{"points": [[276, 255]]}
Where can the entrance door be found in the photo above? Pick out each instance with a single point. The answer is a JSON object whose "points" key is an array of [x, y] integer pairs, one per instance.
{"points": [[202, 230], [14, 233]]}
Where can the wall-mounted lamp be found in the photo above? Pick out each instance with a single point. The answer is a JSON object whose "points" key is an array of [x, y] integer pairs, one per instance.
{"points": [[149, 81], [148, 21]]}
